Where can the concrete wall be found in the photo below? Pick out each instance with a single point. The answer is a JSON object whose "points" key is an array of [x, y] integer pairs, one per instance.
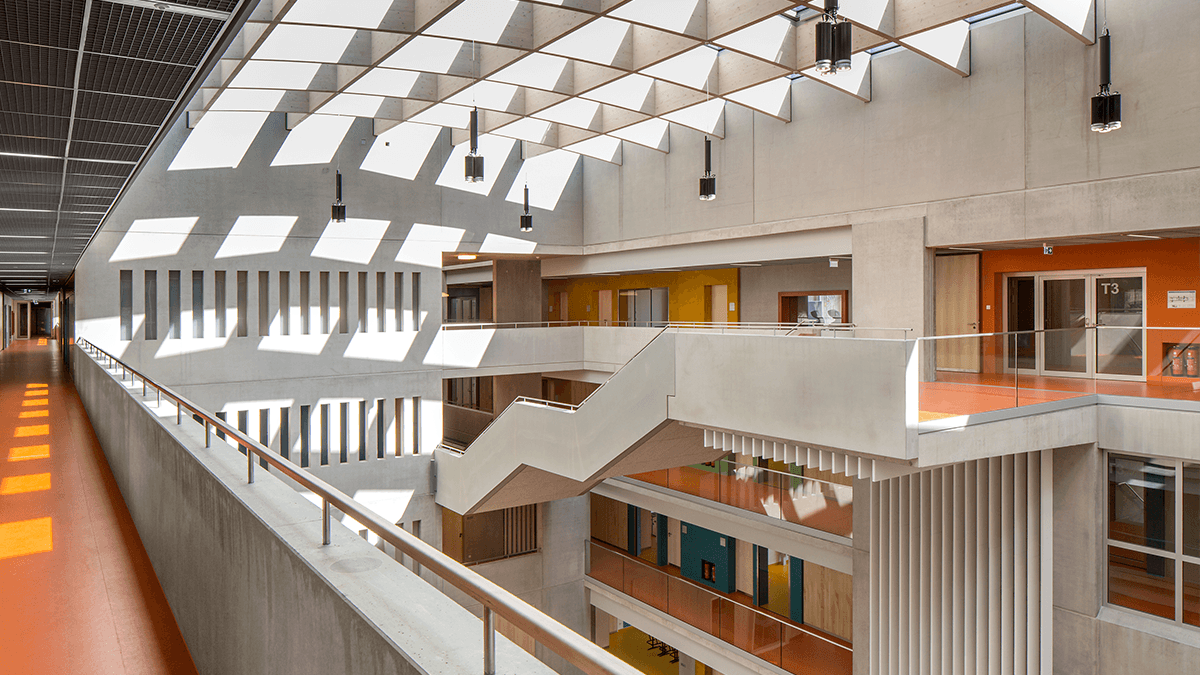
{"points": [[243, 568], [761, 286]]}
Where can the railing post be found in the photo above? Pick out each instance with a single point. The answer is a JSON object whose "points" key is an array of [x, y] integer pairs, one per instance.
{"points": [[178, 412], [250, 465], [325, 522], [489, 642], [207, 434]]}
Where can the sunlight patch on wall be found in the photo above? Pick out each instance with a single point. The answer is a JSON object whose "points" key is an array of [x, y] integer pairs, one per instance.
{"points": [[402, 150], [390, 347], [256, 235], [102, 332], [219, 141], [249, 100], [498, 243], [310, 345], [170, 348], [495, 150], [547, 175], [153, 238], [353, 241], [390, 504], [459, 348], [425, 244], [313, 141]]}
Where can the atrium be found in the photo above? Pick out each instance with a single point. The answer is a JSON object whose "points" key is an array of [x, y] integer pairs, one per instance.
{"points": [[676, 337]]}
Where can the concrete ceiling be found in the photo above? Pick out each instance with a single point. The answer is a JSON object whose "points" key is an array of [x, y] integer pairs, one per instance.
{"points": [[85, 88]]}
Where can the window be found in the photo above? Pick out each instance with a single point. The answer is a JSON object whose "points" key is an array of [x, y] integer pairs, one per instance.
{"points": [[305, 434], [173, 309], [324, 434], [416, 300], [362, 302], [219, 301], [242, 329], [126, 305], [284, 439], [323, 291], [416, 425], [397, 299], [197, 304], [264, 431], [151, 290], [380, 430], [1154, 537], [344, 423], [264, 303], [362, 430], [399, 424], [285, 304], [469, 392], [381, 299], [305, 304], [343, 302]]}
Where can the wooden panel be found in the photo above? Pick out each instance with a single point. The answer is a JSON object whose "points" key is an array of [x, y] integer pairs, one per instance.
{"points": [[720, 303], [604, 306], [610, 521], [828, 600], [518, 636], [956, 304], [452, 539]]}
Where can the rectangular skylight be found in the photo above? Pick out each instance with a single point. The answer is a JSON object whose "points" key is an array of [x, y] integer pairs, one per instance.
{"points": [[305, 43], [605, 148], [672, 15], [446, 115], [631, 92], [652, 133], [540, 71], [704, 117], [385, 82], [478, 20], [598, 41], [255, 100], [765, 39], [356, 14], [526, 129], [275, 75], [691, 68], [359, 105], [486, 95], [575, 112], [428, 54]]}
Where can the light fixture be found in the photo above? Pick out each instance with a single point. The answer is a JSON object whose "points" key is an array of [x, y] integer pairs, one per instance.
{"points": [[834, 41], [526, 218], [474, 161], [1143, 236], [466, 256], [708, 182], [1106, 106], [339, 209]]}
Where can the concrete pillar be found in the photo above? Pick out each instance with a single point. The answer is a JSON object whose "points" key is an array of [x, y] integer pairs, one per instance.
{"points": [[516, 290], [1079, 556], [861, 551], [601, 627], [687, 665], [893, 276]]}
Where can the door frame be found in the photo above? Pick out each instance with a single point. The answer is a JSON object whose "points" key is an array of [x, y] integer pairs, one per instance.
{"points": [[1090, 276], [27, 324]]}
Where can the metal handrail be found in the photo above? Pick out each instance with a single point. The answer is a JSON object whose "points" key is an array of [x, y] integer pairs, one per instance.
{"points": [[788, 328], [577, 650], [1038, 331]]}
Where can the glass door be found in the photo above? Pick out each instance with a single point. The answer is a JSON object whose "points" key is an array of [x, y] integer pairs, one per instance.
{"points": [[1120, 324], [1065, 317]]}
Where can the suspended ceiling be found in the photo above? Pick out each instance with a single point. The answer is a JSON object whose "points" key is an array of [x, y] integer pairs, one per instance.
{"points": [[85, 87]]}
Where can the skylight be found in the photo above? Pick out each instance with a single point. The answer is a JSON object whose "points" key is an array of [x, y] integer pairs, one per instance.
{"points": [[765, 39], [605, 148], [486, 95], [652, 133], [385, 82], [248, 99], [691, 68], [706, 117], [478, 20], [632, 92], [573, 112], [356, 14], [540, 71], [358, 105], [430, 54], [446, 115], [769, 97], [599, 41], [527, 129], [305, 43], [672, 15], [275, 75]]}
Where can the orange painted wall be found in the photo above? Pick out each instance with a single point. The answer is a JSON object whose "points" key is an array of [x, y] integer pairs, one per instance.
{"points": [[1171, 265], [686, 292]]}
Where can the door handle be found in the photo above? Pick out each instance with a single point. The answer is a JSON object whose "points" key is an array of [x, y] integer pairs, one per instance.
{"points": [[974, 325]]}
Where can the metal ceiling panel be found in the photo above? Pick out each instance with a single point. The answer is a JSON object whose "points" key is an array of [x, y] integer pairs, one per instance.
{"points": [[48, 66], [54, 23], [113, 74], [107, 151], [34, 100], [39, 126], [32, 146], [125, 109], [121, 30]]}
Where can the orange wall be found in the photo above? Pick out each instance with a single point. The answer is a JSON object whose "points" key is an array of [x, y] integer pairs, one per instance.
{"points": [[686, 293], [1171, 265]]}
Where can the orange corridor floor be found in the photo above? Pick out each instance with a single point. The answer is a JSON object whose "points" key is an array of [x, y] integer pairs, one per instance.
{"points": [[77, 591]]}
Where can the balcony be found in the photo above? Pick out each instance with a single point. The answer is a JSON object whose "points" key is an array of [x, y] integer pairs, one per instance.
{"points": [[729, 617], [802, 500]]}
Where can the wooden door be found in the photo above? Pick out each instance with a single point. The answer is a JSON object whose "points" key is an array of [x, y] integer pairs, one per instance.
{"points": [[562, 306], [720, 303], [956, 297], [604, 305]]}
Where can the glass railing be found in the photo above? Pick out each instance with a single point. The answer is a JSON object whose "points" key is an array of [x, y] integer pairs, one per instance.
{"points": [[781, 643], [972, 374], [802, 500]]}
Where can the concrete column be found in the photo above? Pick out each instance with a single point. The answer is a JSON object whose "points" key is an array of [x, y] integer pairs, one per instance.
{"points": [[893, 276], [516, 290], [687, 665], [1079, 556], [601, 627], [862, 574]]}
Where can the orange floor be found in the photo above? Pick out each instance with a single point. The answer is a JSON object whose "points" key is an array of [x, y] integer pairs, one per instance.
{"points": [[77, 592], [969, 393]]}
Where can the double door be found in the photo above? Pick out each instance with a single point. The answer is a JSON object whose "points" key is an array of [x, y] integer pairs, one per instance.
{"points": [[1083, 324]]}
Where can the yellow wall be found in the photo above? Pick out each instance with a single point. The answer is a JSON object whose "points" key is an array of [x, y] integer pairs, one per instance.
{"points": [[686, 293]]}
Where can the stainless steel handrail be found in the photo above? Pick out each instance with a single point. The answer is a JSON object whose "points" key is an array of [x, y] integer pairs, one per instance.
{"points": [[577, 650]]}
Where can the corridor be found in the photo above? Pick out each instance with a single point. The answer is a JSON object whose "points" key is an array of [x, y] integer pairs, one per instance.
{"points": [[79, 594]]}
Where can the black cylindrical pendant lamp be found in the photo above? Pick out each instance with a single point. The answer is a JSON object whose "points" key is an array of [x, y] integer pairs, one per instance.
{"points": [[1106, 105], [842, 46], [526, 218], [338, 212], [473, 164], [825, 47], [708, 182]]}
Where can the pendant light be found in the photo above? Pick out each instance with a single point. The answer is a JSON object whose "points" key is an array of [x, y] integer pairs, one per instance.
{"points": [[474, 161], [834, 41], [1106, 105], [339, 209], [526, 218], [708, 182]]}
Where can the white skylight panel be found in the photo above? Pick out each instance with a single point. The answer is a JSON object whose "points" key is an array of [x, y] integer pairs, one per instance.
{"points": [[651, 133], [358, 105], [219, 141], [691, 68], [547, 175], [275, 75], [402, 150], [478, 20], [355, 14], [629, 92], [702, 116], [540, 71], [769, 97], [575, 112], [256, 235], [385, 82], [495, 150], [258, 100], [429, 54], [306, 43], [313, 141], [765, 39], [526, 129], [446, 115], [672, 15], [605, 148], [598, 41], [486, 95]]}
